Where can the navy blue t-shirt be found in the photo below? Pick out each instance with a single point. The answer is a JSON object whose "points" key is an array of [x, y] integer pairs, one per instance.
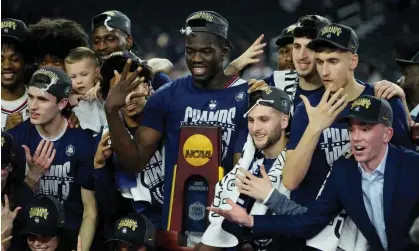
{"points": [[334, 141], [288, 81], [182, 103], [71, 169]]}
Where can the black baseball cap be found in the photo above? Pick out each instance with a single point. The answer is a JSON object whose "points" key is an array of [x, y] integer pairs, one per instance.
{"points": [[286, 36], [8, 150], [272, 97], [53, 80], [114, 19], [336, 35], [310, 25], [14, 28], [45, 217], [116, 62], [207, 21], [135, 230], [403, 63], [371, 110]]}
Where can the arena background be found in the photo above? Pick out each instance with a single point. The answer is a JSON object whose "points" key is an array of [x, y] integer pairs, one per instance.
{"points": [[387, 28]]}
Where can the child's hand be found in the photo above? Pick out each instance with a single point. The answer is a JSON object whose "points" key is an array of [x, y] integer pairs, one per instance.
{"points": [[74, 99], [94, 93]]}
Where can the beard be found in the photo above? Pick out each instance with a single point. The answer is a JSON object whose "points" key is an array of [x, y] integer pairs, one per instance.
{"points": [[273, 138]]}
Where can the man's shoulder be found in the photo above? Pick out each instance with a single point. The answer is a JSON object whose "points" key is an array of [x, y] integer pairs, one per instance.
{"points": [[21, 128]]}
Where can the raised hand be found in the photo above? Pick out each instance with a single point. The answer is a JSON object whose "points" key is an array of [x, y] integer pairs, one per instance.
{"points": [[255, 187], [250, 56], [125, 85], [386, 90], [323, 115], [13, 120], [103, 152], [255, 85], [236, 214], [94, 93], [42, 159], [7, 218]]}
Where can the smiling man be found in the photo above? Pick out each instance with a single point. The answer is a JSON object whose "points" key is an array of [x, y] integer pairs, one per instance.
{"points": [[376, 185], [200, 98], [13, 90]]}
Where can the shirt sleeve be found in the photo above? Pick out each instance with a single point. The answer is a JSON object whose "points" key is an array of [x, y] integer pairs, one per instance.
{"points": [[155, 110], [85, 156], [159, 80], [298, 126], [309, 224], [401, 135]]}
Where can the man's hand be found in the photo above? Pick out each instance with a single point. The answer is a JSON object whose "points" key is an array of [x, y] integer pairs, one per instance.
{"points": [[103, 151], [236, 214], [255, 187], [41, 161], [323, 115], [125, 85], [250, 56], [255, 85], [13, 120], [386, 90], [160, 65], [7, 218], [143, 90]]}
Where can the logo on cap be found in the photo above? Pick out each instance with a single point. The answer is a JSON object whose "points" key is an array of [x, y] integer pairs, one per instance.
{"points": [[41, 212], [285, 104], [128, 223], [331, 30], [109, 13], [202, 15], [364, 102], [268, 90], [291, 28], [6, 25]]}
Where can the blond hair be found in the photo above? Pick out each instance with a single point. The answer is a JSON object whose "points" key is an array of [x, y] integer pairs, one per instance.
{"points": [[80, 53]]}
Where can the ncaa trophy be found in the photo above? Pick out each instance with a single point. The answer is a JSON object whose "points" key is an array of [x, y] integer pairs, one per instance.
{"points": [[196, 173]]}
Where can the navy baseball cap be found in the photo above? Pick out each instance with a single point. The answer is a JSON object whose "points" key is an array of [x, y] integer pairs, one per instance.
{"points": [[336, 35], [52, 80], [272, 97], [370, 110], [14, 28], [207, 21], [286, 36], [135, 230]]}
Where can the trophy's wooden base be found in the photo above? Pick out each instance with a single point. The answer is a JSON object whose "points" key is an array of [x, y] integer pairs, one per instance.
{"points": [[169, 240]]}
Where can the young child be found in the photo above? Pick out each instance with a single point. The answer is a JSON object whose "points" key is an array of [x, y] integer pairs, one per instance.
{"points": [[82, 65]]}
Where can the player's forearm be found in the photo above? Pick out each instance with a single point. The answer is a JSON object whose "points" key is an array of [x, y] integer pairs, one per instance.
{"points": [[124, 147], [297, 163], [88, 229], [232, 69]]}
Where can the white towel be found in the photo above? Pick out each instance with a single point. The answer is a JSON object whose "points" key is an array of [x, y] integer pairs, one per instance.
{"points": [[91, 115], [225, 189]]}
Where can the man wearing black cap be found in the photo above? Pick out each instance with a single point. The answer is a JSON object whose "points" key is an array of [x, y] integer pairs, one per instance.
{"points": [[285, 45], [111, 32], [13, 90], [64, 154], [44, 229], [200, 99], [133, 232], [268, 117], [410, 83], [370, 182]]}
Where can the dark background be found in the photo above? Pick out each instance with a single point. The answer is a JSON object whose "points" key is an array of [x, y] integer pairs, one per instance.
{"points": [[387, 29]]}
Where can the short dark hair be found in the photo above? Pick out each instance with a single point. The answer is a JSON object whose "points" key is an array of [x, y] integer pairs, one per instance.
{"points": [[329, 49], [307, 28], [17, 46], [56, 37]]}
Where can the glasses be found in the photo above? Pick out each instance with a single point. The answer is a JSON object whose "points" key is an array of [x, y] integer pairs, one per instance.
{"points": [[40, 238], [257, 103]]}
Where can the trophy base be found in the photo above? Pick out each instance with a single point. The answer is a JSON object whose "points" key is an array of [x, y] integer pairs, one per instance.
{"points": [[171, 240]]}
